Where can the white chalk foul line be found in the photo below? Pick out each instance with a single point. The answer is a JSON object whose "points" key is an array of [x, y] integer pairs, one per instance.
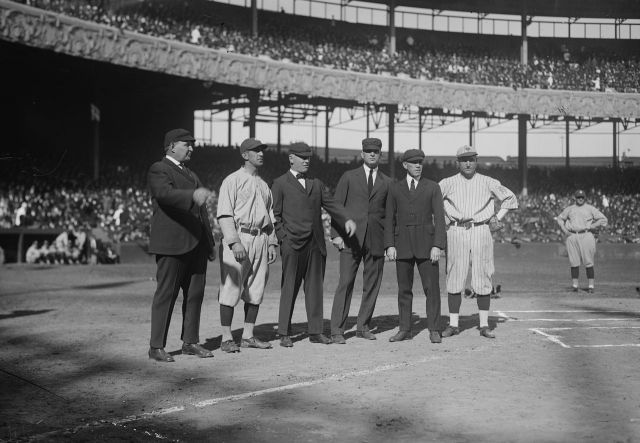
{"points": [[572, 311], [572, 319], [591, 327], [550, 337]]}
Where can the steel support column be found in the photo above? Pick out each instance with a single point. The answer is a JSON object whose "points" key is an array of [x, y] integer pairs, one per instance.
{"points": [[522, 151]]}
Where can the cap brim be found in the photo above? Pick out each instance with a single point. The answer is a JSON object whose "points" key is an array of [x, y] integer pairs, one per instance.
{"points": [[467, 155]]}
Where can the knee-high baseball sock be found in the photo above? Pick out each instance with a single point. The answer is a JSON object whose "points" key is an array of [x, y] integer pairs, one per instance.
{"points": [[454, 300], [250, 316], [575, 273], [226, 315], [484, 301], [591, 276]]}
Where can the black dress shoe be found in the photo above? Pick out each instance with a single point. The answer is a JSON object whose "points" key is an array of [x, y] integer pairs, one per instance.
{"points": [[285, 341], [320, 338], [450, 331], [486, 332], [159, 354], [365, 334], [196, 349], [401, 335], [434, 336], [338, 339]]}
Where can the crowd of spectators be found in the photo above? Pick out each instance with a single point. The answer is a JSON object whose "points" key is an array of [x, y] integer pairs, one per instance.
{"points": [[471, 59], [94, 217]]}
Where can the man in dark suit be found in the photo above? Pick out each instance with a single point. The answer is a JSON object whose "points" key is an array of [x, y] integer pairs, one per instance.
{"points": [[415, 234], [297, 203], [363, 192], [182, 241]]}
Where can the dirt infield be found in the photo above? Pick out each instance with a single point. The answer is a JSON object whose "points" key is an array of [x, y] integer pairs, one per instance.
{"points": [[73, 365]]}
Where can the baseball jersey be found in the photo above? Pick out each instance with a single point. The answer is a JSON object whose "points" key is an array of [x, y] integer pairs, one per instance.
{"points": [[473, 199], [247, 198], [581, 218]]}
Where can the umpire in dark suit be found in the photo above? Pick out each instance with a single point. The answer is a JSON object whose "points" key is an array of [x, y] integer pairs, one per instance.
{"points": [[182, 241], [297, 203], [363, 192], [415, 234]]}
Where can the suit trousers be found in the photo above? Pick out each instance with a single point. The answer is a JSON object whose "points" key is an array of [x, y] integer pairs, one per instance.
{"points": [[187, 271], [372, 278], [429, 275], [306, 264]]}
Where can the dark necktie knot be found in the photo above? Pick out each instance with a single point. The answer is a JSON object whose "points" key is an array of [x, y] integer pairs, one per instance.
{"points": [[370, 181], [413, 185], [300, 175]]}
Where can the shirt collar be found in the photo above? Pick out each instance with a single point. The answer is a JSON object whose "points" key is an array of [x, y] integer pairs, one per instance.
{"points": [[367, 169], [409, 178], [174, 161]]}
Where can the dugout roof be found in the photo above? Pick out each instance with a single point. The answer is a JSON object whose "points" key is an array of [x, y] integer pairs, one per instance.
{"points": [[622, 9]]}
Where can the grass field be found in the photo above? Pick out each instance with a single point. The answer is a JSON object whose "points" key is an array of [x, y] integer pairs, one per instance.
{"points": [[74, 366]]}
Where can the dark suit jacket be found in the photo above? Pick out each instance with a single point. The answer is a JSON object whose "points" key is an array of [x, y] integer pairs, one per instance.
{"points": [[177, 223], [414, 223], [366, 210], [297, 211]]}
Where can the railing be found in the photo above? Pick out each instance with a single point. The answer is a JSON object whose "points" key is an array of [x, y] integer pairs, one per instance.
{"points": [[432, 20]]}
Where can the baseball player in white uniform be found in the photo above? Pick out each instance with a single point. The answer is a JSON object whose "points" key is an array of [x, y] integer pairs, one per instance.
{"points": [[578, 222], [245, 214], [469, 204]]}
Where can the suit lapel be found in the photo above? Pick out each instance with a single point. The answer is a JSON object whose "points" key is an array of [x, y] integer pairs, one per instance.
{"points": [[184, 171], [308, 183], [404, 187], [377, 184], [295, 183]]}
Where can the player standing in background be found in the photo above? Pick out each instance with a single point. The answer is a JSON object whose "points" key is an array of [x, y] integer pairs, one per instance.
{"points": [[578, 222], [469, 208], [245, 214]]}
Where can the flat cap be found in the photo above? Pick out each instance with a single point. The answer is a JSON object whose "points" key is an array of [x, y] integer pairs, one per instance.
{"points": [[466, 151], [371, 144], [580, 193], [412, 155], [250, 144], [301, 149], [178, 135]]}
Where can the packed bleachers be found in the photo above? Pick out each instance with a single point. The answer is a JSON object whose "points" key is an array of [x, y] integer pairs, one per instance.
{"points": [[98, 216], [472, 59]]}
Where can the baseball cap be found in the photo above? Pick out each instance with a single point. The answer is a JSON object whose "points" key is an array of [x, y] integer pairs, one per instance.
{"points": [[178, 135], [580, 193], [371, 144], [466, 151], [250, 144], [412, 155], [301, 149]]}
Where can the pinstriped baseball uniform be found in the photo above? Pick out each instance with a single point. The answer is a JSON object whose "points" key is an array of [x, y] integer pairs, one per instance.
{"points": [[247, 199], [472, 200], [581, 244]]}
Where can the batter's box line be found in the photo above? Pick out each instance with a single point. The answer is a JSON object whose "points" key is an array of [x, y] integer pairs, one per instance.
{"points": [[556, 339], [231, 398]]}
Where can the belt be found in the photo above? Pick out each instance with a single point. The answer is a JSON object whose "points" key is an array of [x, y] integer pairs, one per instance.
{"points": [[254, 231], [469, 224], [579, 232]]}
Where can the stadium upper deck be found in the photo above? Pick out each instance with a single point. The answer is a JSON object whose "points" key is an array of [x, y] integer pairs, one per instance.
{"points": [[490, 60]]}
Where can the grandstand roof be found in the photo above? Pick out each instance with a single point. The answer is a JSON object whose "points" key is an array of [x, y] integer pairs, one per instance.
{"points": [[550, 8]]}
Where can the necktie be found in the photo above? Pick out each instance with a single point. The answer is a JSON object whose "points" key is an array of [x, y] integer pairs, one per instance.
{"points": [[300, 176], [370, 181], [413, 185]]}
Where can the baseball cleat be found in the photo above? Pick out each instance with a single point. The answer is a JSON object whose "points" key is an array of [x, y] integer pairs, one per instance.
{"points": [[450, 331]]}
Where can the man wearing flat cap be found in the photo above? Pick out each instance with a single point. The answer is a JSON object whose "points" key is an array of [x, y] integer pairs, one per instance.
{"points": [[578, 223], [469, 202], [414, 235], [363, 192], [182, 241], [297, 203], [245, 214]]}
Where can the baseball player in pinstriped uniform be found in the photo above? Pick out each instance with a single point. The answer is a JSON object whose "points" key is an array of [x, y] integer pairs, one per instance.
{"points": [[245, 214], [469, 208], [578, 223]]}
